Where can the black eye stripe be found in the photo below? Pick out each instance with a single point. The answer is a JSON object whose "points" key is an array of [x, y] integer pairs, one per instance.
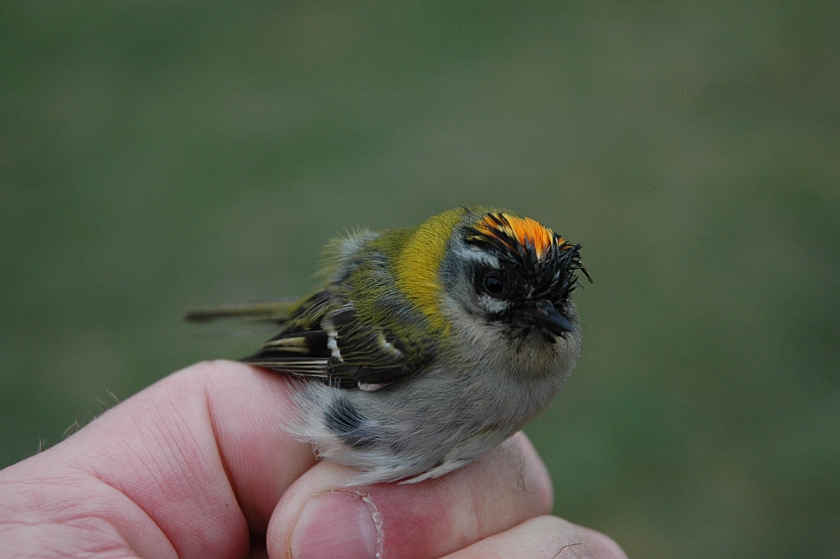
{"points": [[493, 285], [493, 282], [550, 275]]}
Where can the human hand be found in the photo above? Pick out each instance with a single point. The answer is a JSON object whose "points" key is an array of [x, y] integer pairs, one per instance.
{"points": [[197, 466]]}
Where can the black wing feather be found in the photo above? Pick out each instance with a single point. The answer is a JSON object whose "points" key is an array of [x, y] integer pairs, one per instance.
{"points": [[368, 355]]}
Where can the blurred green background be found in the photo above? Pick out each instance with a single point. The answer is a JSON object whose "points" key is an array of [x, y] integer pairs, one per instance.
{"points": [[156, 156]]}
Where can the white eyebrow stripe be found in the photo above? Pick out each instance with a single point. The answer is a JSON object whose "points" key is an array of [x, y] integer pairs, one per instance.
{"points": [[480, 256]]}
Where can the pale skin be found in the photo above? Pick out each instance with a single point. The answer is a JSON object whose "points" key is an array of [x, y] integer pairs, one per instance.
{"points": [[197, 466]]}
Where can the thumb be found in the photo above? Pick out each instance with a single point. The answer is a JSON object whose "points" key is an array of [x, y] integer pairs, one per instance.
{"points": [[319, 516]]}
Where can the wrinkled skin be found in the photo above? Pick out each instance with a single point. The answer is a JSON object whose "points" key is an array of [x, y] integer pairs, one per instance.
{"points": [[197, 466]]}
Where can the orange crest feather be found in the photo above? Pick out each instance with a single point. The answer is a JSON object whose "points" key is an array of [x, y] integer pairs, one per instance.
{"points": [[523, 229]]}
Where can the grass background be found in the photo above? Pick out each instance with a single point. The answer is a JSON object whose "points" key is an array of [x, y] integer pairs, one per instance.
{"points": [[160, 155]]}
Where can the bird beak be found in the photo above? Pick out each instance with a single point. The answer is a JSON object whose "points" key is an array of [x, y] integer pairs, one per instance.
{"points": [[551, 319]]}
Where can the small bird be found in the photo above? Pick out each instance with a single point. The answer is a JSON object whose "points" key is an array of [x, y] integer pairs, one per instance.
{"points": [[427, 346]]}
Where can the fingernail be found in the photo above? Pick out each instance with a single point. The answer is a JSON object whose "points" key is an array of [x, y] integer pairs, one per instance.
{"points": [[336, 525]]}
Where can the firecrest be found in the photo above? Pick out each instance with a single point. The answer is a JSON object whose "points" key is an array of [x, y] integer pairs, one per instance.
{"points": [[427, 346]]}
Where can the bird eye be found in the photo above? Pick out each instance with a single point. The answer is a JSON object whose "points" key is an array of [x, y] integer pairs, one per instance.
{"points": [[493, 285]]}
